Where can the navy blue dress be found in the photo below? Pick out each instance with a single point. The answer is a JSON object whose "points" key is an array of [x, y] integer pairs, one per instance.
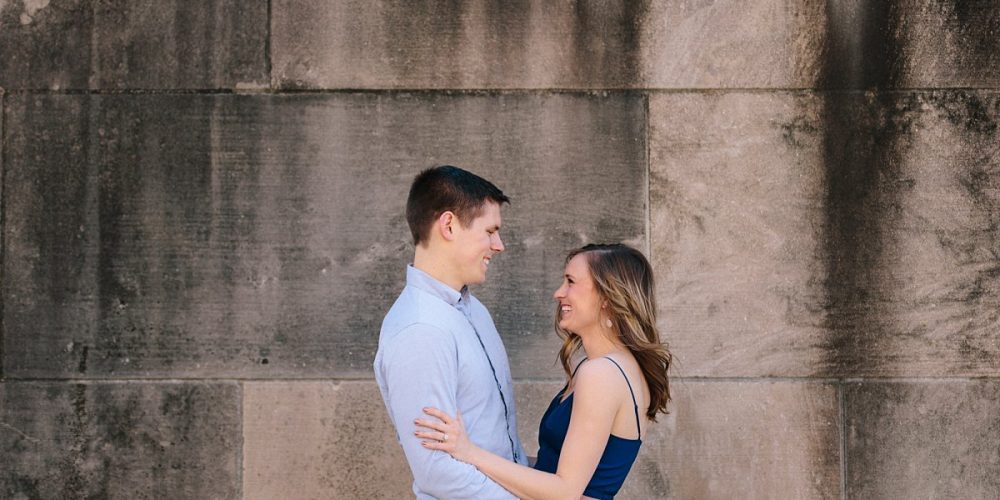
{"points": [[619, 453]]}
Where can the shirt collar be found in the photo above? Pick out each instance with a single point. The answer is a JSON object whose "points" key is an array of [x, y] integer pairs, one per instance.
{"points": [[417, 278]]}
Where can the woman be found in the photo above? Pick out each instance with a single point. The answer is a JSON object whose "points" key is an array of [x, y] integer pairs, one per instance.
{"points": [[590, 435]]}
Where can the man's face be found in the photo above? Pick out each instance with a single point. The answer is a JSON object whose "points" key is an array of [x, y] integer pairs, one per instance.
{"points": [[477, 244]]}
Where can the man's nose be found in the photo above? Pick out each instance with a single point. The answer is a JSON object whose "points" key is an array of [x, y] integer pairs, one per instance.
{"points": [[498, 243]]}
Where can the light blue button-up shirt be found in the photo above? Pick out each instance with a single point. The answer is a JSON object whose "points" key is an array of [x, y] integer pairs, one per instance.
{"points": [[429, 354]]}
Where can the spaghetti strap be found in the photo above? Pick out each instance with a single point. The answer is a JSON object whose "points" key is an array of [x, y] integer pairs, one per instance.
{"points": [[563, 391], [635, 405]]}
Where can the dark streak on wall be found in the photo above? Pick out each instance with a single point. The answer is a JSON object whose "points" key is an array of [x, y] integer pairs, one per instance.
{"points": [[50, 48], [860, 163], [975, 115], [3, 202], [976, 27], [74, 486], [444, 18], [508, 38], [607, 44]]}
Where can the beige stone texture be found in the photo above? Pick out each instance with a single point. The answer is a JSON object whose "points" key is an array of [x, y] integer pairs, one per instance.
{"points": [[318, 440], [948, 44], [313, 440], [742, 439], [45, 44], [440, 44], [171, 44], [264, 236], [923, 439], [134, 44], [119, 440], [733, 44], [308, 440], [846, 234], [735, 207], [941, 251], [543, 44]]}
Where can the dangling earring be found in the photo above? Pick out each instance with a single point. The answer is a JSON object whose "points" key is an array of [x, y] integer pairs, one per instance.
{"points": [[607, 322]]}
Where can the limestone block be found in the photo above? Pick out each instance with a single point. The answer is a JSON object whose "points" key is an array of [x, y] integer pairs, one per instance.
{"points": [[911, 224], [2, 107], [933, 439], [119, 440], [315, 440], [752, 439], [308, 440], [733, 44], [45, 45], [911, 44], [543, 44], [263, 236], [441, 44], [327, 439], [736, 208], [844, 234], [147, 44], [46, 200], [175, 44]]}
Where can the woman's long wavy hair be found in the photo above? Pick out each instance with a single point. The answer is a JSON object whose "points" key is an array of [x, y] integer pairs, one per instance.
{"points": [[624, 279]]}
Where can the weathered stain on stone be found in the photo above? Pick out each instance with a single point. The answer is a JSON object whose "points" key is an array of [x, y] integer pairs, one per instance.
{"points": [[864, 183], [509, 60], [45, 45], [109, 440], [975, 27], [607, 42], [895, 433], [219, 231], [799, 132], [968, 110], [861, 49], [976, 247], [3, 246], [861, 179], [422, 29], [175, 44], [31, 7]]}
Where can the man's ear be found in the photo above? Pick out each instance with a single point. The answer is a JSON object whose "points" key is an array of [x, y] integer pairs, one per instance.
{"points": [[445, 225]]}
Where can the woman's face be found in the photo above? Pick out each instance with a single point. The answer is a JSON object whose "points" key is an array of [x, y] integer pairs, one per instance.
{"points": [[579, 303]]}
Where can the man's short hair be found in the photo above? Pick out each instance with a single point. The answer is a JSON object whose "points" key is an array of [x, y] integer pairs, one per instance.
{"points": [[446, 188]]}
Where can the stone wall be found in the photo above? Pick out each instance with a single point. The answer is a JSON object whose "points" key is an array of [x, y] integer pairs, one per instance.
{"points": [[202, 225]]}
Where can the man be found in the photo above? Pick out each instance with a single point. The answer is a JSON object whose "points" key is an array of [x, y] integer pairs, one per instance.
{"points": [[438, 345]]}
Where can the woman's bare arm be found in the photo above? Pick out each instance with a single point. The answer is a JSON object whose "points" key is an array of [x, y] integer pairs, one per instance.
{"points": [[596, 400]]}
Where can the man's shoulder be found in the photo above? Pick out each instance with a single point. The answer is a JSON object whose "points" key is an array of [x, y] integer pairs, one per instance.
{"points": [[416, 306], [417, 311]]}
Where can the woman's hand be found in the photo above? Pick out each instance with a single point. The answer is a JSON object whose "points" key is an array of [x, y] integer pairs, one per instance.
{"points": [[445, 434]]}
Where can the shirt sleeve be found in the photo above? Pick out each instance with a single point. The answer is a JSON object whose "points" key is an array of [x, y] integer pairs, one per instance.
{"points": [[420, 369]]}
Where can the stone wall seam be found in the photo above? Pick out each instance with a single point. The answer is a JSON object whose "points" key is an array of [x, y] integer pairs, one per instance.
{"points": [[241, 397], [648, 161], [268, 56], [3, 189], [843, 441]]}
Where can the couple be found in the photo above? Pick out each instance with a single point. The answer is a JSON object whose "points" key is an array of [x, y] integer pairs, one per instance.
{"points": [[443, 371]]}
